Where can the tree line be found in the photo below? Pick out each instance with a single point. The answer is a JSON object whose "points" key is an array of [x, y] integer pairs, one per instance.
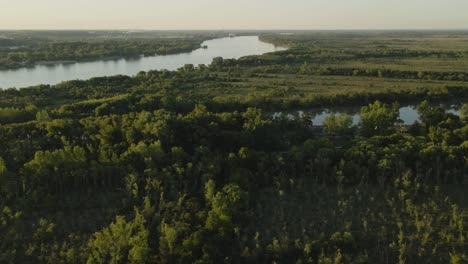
{"points": [[83, 50]]}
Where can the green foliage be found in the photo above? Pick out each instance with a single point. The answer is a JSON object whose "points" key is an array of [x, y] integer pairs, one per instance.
{"points": [[42, 116], [3, 169], [53, 170], [122, 242], [378, 119], [16, 115], [340, 124], [191, 166], [224, 207], [464, 112], [254, 119], [8, 245]]}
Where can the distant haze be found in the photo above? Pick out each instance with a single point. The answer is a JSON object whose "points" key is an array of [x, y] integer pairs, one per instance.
{"points": [[234, 14]]}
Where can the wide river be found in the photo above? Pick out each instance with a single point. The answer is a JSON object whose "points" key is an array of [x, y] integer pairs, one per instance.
{"points": [[228, 48]]}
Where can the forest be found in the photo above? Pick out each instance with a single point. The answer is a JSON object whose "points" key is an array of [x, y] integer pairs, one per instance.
{"points": [[191, 166]]}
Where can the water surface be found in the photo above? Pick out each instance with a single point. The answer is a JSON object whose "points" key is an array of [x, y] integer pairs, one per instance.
{"points": [[408, 114], [228, 48]]}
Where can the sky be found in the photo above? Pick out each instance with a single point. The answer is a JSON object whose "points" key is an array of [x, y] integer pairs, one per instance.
{"points": [[233, 14]]}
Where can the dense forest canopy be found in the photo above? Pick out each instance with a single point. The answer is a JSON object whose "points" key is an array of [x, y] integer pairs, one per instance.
{"points": [[191, 166]]}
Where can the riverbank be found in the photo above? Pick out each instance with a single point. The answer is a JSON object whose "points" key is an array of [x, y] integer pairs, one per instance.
{"points": [[51, 52], [107, 58], [51, 73]]}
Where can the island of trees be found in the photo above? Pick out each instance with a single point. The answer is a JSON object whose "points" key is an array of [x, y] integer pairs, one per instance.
{"points": [[25, 49]]}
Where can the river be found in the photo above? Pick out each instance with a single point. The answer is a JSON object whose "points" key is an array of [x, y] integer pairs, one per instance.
{"points": [[408, 114], [228, 48]]}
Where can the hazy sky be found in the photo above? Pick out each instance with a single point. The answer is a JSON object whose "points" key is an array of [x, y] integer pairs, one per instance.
{"points": [[233, 14]]}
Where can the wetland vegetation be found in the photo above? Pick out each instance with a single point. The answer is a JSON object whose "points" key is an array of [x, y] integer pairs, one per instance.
{"points": [[190, 166]]}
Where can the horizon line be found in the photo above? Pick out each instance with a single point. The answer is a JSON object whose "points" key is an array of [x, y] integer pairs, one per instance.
{"points": [[234, 29]]}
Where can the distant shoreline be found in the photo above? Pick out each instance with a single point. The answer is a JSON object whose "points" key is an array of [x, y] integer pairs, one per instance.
{"points": [[110, 58], [65, 62]]}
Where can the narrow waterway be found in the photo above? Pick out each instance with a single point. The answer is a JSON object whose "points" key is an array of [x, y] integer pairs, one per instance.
{"points": [[408, 114]]}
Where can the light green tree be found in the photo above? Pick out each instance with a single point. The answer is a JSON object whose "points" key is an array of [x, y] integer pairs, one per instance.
{"points": [[122, 242], [379, 119], [338, 124]]}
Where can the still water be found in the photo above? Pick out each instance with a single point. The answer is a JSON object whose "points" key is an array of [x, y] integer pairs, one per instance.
{"points": [[228, 48], [408, 114]]}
